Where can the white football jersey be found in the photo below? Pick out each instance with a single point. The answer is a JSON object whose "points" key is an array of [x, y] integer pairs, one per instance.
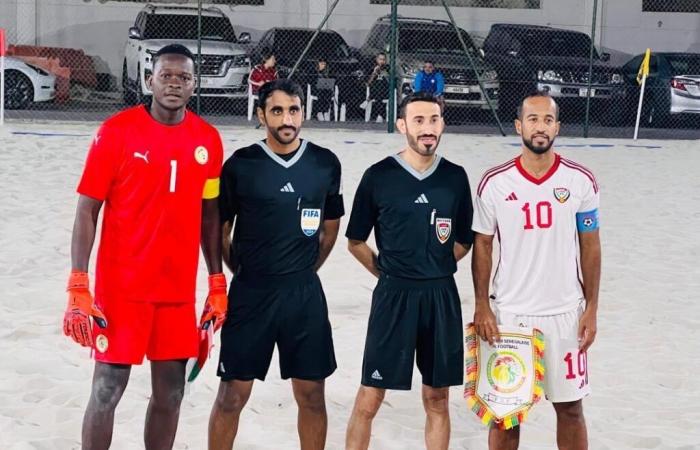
{"points": [[535, 223]]}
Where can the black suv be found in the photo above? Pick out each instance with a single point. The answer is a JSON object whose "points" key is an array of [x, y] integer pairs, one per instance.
{"points": [[343, 65], [420, 40], [529, 57]]}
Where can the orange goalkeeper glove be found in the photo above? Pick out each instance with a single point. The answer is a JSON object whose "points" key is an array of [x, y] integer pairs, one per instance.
{"points": [[81, 307], [216, 304]]}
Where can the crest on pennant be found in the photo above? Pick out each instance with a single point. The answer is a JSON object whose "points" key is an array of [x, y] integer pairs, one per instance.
{"points": [[503, 381], [561, 194], [443, 229]]}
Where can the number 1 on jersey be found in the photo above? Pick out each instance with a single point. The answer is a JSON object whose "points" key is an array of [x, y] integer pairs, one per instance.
{"points": [[173, 174]]}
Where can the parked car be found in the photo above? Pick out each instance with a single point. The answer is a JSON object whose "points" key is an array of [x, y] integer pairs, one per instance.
{"points": [[672, 87], [435, 40], [529, 57], [26, 84], [224, 61], [289, 43]]}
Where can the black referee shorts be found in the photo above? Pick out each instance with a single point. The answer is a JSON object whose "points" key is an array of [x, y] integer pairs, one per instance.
{"points": [[289, 311], [414, 317]]}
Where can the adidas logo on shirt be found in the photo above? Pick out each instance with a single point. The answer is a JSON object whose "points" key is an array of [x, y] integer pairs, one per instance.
{"points": [[422, 199], [287, 188], [376, 375], [511, 197]]}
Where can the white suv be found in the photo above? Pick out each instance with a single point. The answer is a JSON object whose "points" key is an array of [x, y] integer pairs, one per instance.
{"points": [[224, 62]]}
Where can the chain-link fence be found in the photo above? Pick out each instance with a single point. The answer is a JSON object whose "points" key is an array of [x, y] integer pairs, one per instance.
{"points": [[86, 59]]}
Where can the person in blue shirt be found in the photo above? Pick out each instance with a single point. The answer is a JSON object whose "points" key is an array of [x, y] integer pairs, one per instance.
{"points": [[431, 81]]}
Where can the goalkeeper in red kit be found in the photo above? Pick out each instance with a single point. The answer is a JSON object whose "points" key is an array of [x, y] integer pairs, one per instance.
{"points": [[156, 169]]}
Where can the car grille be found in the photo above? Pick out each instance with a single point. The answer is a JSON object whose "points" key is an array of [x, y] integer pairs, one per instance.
{"points": [[460, 77], [569, 76], [211, 64]]}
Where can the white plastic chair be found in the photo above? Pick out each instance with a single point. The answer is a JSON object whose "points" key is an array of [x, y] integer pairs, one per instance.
{"points": [[338, 108], [369, 102], [251, 101]]}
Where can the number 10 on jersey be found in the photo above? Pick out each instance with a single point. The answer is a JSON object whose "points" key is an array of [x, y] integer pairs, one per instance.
{"points": [[542, 213]]}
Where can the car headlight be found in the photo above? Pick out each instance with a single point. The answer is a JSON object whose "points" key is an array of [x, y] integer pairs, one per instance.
{"points": [[549, 75], [408, 70], [616, 78], [150, 54], [38, 70], [240, 61], [489, 75]]}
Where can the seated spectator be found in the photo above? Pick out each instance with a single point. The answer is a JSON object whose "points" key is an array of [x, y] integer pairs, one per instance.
{"points": [[322, 87], [431, 81], [378, 83], [263, 72]]}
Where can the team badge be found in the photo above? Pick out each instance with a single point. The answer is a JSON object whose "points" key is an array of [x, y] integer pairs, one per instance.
{"points": [[561, 194], [310, 221], [443, 229], [101, 343], [201, 155]]}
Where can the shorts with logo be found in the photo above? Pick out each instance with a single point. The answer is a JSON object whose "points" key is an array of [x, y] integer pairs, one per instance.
{"points": [[414, 317], [158, 331], [566, 368], [287, 310]]}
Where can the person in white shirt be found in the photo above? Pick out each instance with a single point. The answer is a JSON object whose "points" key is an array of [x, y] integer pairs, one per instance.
{"points": [[544, 210]]}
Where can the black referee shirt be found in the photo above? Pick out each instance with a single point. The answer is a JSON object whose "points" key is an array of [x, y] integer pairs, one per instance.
{"points": [[279, 206], [416, 217]]}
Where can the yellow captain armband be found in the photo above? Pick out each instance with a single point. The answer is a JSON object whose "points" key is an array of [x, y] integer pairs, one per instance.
{"points": [[211, 189]]}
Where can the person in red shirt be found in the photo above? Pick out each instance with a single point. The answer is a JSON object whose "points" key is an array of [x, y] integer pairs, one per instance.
{"points": [[264, 72], [156, 169]]}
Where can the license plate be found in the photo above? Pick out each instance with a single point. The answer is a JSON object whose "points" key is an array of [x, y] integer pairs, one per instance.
{"points": [[584, 91], [457, 90]]}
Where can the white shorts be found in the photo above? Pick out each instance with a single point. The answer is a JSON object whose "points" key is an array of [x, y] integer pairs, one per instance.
{"points": [[566, 368]]}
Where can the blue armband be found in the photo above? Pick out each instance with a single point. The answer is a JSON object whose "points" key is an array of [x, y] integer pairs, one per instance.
{"points": [[587, 221]]}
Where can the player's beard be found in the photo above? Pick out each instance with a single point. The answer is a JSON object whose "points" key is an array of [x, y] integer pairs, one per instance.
{"points": [[423, 149], [538, 149], [284, 140]]}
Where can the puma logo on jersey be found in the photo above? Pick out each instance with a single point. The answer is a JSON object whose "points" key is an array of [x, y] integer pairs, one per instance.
{"points": [[287, 188], [511, 197], [421, 199], [376, 375], [143, 156]]}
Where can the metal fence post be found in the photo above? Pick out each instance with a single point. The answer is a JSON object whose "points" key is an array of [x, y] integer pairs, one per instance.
{"points": [[392, 67], [471, 63], [590, 69]]}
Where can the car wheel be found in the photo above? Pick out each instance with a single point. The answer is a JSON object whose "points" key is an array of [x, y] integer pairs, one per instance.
{"points": [[19, 92], [127, 94]]}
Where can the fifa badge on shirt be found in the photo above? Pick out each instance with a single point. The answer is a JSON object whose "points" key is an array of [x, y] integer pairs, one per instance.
{"points": [[310, 221], [101, 343], [443, 229], [201, 155], [561, 194]]}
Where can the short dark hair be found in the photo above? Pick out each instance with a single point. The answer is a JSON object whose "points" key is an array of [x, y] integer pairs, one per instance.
{"points": [[266, 54], [416, 97], [172, 49], [534, 94], [285, 85]]}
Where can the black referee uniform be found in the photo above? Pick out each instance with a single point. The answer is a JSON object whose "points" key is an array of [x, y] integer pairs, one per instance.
{"points": [[417, 218], [279, 203]]}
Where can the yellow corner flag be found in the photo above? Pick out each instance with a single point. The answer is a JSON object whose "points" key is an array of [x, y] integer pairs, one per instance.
{"points": [[644, 68]]}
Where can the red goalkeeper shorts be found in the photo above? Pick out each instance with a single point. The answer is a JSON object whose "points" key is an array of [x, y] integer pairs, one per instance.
{"points": [[159, 331]]}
